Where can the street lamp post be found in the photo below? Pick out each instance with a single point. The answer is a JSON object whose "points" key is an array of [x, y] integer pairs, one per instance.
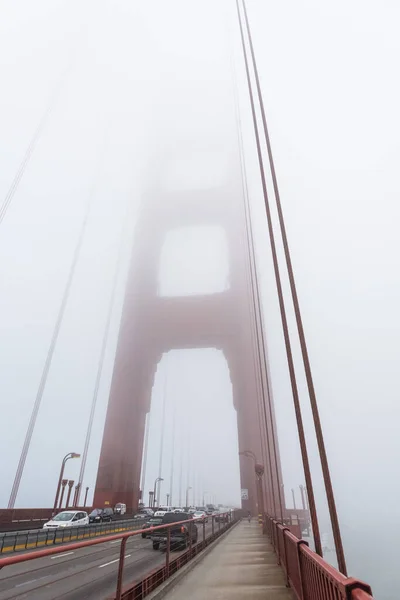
{"points": [[294, 499], [155, 488], [70, 485], [64, 460], [204, 495], [167, 499], [76, 495], [303, 502], [259, 472], [187, 496], [86, 493], [63, 484]]}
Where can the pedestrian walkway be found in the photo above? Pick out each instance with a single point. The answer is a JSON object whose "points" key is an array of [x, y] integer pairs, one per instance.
{"points": [[242, 565]]}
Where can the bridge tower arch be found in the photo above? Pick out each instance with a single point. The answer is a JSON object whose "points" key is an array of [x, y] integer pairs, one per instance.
{"points": [[152, 325]]}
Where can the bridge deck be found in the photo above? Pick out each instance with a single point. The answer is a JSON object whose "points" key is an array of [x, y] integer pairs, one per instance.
{"points": [[242, 565]]}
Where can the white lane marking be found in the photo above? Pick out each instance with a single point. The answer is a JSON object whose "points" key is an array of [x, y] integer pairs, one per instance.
{"points": [[115, 542], [31, 581], [112, 561], [25, 582], [60, 555]]}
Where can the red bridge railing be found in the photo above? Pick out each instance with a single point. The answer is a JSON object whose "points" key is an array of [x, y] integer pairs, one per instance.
{"points": [[309, 575]]}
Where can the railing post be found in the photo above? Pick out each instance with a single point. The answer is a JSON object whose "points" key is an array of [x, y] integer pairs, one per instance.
{"points": [[120, 569], [299, 544], [204, 531], [190, 538], [168, 551], [286, 555], [212, 524]]}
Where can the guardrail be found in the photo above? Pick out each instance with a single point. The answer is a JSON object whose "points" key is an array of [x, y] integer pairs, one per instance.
{"points": [[139, 590], [309, 575], [16, 541]]}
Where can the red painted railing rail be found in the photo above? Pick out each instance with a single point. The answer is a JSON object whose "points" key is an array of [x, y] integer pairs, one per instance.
{"points": [[309, 575]]}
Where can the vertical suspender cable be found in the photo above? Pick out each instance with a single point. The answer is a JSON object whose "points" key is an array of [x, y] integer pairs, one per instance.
{"points": [[262, 353], [306, 361], [171, 480], [181, 472], [256, 340], [160, 460], [265, 448], [145, 449], [49, 358], [296, 401], [101, 362]]}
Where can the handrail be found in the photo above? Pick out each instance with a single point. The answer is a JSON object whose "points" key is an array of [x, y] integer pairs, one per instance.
{"points": [[18, 558], [309, 575]]}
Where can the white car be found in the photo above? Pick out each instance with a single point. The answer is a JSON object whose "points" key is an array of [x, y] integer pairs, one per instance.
{"points": [[201, 514], [162, 510], [68, 518], [120, 509]]}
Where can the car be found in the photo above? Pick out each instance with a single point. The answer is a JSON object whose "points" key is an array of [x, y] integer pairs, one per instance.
{"points": [[162, 510], [68, 518], [120, 509], [152, 522], [144, 513], [200, 514], [181, 533], [101, 515]]}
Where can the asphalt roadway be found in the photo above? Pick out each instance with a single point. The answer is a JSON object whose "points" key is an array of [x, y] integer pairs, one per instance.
{"points": [[86, 574]]}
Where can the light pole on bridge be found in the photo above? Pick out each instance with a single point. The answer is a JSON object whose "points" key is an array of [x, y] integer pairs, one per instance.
{"points": [[86, 493], [187, 496], [259, 471], [64, 460], [155, 488]]}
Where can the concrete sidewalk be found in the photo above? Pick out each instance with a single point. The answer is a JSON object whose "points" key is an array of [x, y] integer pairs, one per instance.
{"points": [[242, 565]]}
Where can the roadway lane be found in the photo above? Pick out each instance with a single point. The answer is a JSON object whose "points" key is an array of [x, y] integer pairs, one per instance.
{"points": [[86, 574]]}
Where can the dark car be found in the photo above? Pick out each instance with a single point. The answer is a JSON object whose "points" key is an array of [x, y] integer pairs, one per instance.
{"points": [[153, 522], [181, 534], [101, 515]]}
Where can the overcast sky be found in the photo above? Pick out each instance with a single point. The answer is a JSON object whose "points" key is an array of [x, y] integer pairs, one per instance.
{"points": [[116, 76]]}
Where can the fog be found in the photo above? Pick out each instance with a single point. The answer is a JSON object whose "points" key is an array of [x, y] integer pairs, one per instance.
{"points": [[110, 83]]}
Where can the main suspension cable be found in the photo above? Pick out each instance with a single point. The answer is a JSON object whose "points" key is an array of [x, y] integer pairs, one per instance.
{"points": [[296, 401]]}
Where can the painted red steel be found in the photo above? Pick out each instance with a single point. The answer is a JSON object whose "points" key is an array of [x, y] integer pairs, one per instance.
{"points": [[309, 575], [152, 325]]}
